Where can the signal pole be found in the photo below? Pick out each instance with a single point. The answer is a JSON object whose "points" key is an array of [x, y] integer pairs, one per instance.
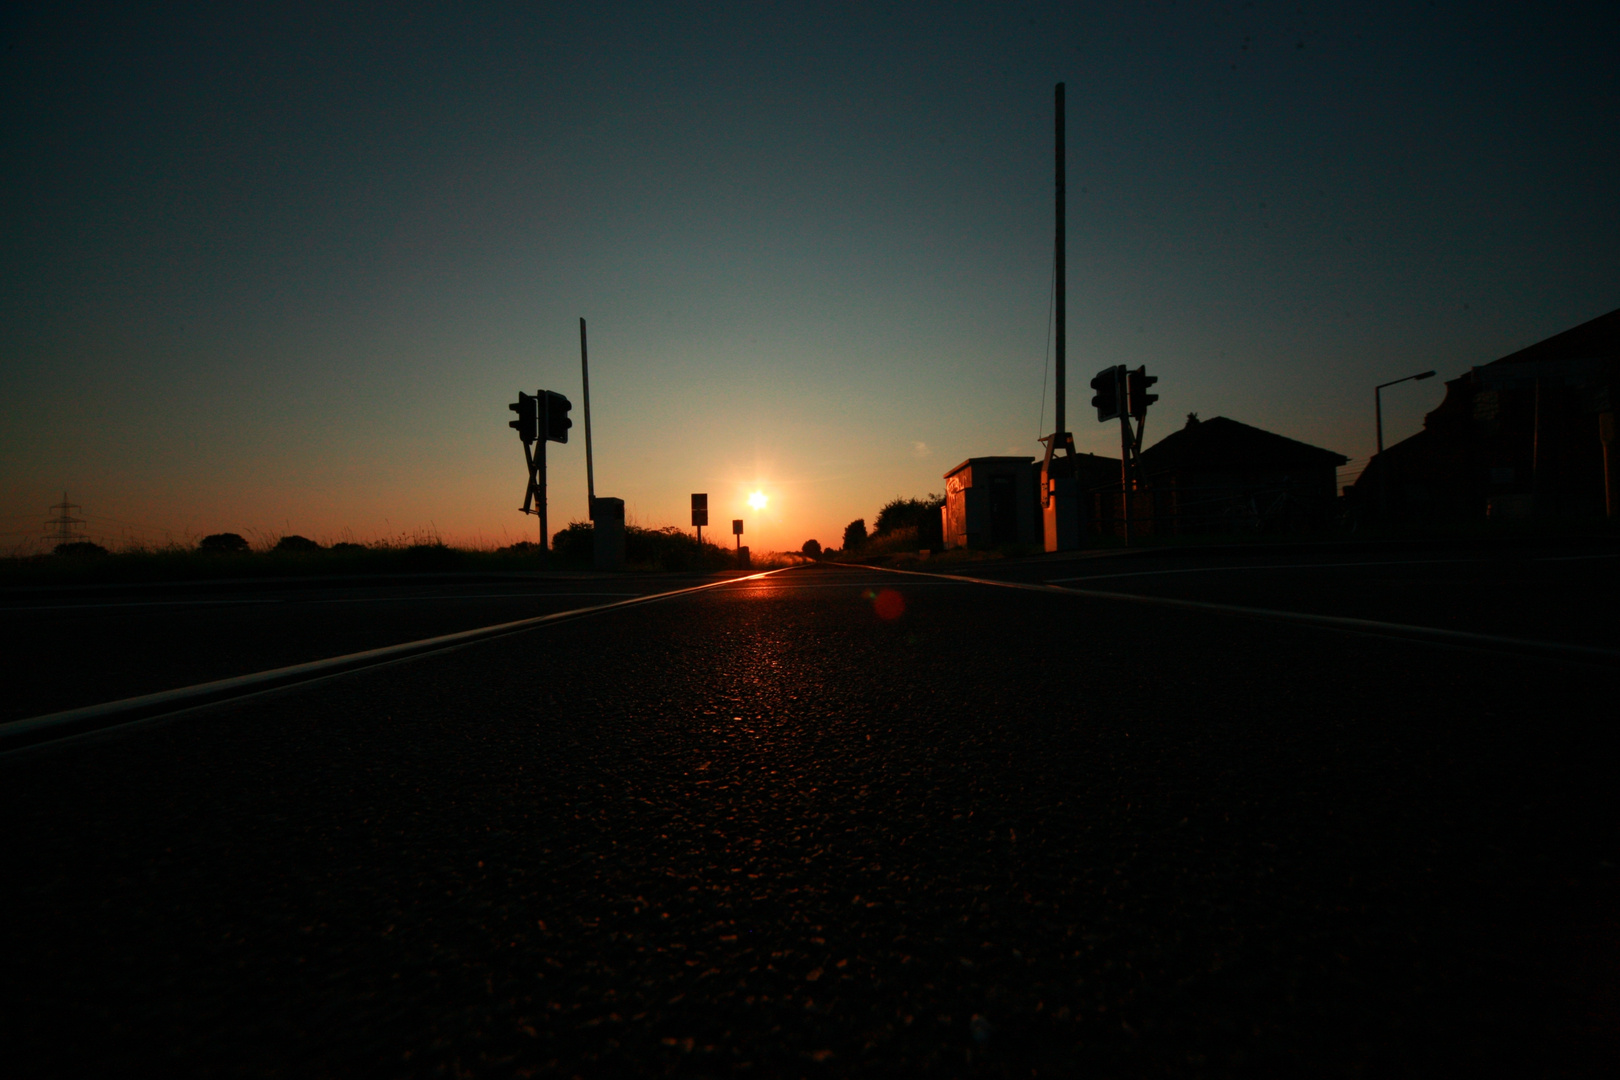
{"points": [[590, 469], [1058, 284]]}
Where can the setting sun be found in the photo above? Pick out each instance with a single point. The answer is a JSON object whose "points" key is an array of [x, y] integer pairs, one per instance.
{"points": [[757, 500]]}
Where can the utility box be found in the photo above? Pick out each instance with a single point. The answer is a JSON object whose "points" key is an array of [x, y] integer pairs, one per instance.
{"points": [[990, 501], [608, 532]]}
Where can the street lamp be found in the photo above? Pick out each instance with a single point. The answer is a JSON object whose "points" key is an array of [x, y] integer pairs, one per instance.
{"points": [[1378, 403]]}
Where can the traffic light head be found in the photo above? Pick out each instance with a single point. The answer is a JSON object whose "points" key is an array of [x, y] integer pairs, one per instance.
{"points": [[1136, 392], [527, 424], [1108, 394], [557, 422]]}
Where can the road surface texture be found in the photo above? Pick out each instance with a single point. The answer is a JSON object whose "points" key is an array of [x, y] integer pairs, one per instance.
{"points": [[844, 821]]}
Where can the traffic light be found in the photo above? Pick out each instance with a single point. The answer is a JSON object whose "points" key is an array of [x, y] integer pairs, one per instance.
{"points": [[527, 424], [557, 422], [1136, 395], [1108, 392]]}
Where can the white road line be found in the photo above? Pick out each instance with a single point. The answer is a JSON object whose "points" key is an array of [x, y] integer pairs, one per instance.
{"points": [[1455, 638], [1310, 566], [38, 729]]}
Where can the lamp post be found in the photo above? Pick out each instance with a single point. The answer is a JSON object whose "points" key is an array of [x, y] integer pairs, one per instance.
{"points": [[1378, 402]]}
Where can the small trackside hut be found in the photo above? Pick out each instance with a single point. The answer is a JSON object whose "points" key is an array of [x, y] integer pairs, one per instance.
{"points": [[990, 501]]}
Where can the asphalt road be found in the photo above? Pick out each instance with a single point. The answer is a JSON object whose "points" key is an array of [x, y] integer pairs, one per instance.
{"points": [[842, 821], [84, 646]]}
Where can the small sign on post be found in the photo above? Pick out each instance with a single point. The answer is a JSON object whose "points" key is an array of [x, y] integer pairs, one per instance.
{"points": [[736, 526], [700, 513]]}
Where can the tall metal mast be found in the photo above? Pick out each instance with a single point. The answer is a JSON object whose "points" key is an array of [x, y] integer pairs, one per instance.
{"points": [[1058, 286], [590, 469]]}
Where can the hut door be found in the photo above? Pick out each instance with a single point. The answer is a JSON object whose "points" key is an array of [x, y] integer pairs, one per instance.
{"points": [[1003, 511]]}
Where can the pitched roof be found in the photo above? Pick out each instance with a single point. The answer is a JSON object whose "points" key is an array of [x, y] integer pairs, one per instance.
{"points": [[1222, 445], [1596, 337]]}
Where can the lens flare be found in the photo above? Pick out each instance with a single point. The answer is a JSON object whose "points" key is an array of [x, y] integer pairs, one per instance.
{"points": [[757, 500], [889, 605]]}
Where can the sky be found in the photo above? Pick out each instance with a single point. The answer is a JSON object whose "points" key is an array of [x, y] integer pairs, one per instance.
{"points": [[279, 268]]}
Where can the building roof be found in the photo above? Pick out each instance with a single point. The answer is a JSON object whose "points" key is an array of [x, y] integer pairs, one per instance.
{"points": [[1595, 338], [990, 461], [1222, 445]]}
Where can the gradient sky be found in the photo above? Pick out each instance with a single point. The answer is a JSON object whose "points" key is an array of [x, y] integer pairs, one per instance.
{"points": [[280, 267]]}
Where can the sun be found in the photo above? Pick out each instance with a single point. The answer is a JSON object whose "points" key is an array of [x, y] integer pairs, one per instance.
{"points": [[757, 500]]}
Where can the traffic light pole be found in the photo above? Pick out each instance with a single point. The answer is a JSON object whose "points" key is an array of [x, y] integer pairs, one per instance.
{"points": [[1125, 473], [540, 495]]}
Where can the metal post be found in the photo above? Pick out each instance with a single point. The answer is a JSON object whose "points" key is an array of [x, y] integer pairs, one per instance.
{"points": [[1125, 472], [1058, 271], [590, 471], [540, 485], [1378, 413]]}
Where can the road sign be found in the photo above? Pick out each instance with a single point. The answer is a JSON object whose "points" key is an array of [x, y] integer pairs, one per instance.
{"points": [[700, 509], [736, 526]]}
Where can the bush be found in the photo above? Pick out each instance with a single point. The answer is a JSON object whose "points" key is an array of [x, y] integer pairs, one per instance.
{"points": [[812, 548], [297, 543], [223, 544], [669, 548], [854, 534], [576, 544], [79, 548], [427, 557], [347, 545], [921, 516]]}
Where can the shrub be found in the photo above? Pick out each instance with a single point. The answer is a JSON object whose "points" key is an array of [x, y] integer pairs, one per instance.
{"points": [[669, 548], [854, 534], [223, 544], [427, 557], [575, 544], [812, 548], [921, 516], [79, 548], [297, 543]]}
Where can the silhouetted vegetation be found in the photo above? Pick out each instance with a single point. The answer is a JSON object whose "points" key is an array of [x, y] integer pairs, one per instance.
{"points": [[296, 543], [812, 548], [79, 548], [669, 548], [908, 514], [902, 526], [223, 543]]}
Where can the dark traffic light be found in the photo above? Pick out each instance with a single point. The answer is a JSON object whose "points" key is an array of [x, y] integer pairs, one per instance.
{"points": [[557, 422], [1108, 393], [527, 425], [1136, 392]]}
